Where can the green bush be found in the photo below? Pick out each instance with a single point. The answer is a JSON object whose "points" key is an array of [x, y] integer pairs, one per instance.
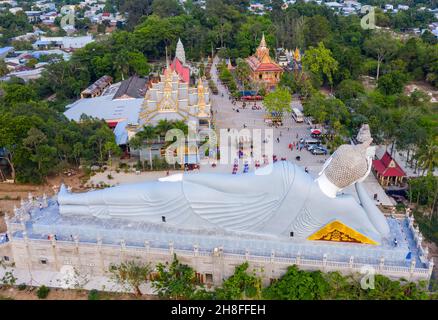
{"points": [[93, 295], [22, 286], [42, 292]]}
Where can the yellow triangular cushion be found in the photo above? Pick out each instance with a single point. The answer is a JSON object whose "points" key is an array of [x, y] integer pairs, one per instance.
{"points": [[339, 232]]}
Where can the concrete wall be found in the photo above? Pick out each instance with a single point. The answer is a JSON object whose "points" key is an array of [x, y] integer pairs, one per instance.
{"points": [[95, 260]]}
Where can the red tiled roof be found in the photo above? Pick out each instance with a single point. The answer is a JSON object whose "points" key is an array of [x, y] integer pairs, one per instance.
{"points": [[256, 65], [181, 70], [383, 167]]}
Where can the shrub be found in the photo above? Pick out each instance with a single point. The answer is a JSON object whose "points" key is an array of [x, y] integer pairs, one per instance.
{"points": [[22, 286], [42, 292], [109, 177], [93, 295]]}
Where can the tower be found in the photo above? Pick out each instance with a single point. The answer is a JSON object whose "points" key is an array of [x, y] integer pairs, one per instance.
{"points": [[180, 53]]}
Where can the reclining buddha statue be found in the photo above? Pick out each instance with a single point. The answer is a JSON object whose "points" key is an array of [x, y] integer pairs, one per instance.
{"points": [[280, 200]]}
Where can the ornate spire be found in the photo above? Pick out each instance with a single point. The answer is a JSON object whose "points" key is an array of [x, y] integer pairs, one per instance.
{"points": [[167, 60], [263, 41], [297, 55], [180, 52]]}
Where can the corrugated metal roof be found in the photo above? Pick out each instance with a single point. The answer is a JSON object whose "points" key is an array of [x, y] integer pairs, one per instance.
{"points": [[104, 107]]}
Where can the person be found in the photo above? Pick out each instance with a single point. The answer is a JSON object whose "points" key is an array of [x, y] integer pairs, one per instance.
{"points": [[278, 139], [280, 133], [71, 237], [395, 242], [167, 172], [55, 237], [290, 146], [6, 237], [306, 170], [375, 196], [41, 207], [297, 135]]}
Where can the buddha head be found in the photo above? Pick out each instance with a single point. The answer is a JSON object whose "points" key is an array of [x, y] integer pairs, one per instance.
{"points": [[348, 164]]}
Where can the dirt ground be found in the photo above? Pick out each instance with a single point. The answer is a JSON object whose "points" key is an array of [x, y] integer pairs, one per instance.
{"points": [[12, 293], [12, 193], [422, 86]]}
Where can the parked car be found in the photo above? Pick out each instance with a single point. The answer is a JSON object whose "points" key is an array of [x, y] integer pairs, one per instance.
{"points": [[310, 147], [317, 151]]}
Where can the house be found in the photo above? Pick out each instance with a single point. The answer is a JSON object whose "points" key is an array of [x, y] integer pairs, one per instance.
{"points": [[15, 10], [33, 16], [97, 88], [5, 51], [334, 5], [402, 7]]}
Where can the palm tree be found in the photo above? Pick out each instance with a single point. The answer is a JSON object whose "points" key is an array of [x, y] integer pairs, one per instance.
{"points": [[242, 71], [144, 137], [428, 157], [181, 125], [163, 126]]}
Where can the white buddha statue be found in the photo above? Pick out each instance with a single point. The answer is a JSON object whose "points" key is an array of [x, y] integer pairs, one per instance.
{"points": [[283, 202]]}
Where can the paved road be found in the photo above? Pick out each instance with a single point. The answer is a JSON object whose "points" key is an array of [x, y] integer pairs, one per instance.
{"points": [[226, 117]]}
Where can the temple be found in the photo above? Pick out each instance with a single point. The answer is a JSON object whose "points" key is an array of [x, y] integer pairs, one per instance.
{"points": [[129, 105], [263, 68], [388, 171], [172, 98]]}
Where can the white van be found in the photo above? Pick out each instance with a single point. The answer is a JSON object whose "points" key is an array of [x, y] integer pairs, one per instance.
{"points": [[297, 115]]}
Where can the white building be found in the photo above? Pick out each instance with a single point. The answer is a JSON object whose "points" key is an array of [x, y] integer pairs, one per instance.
{"points": [[402, 7], [63, 42], [15, 10]]}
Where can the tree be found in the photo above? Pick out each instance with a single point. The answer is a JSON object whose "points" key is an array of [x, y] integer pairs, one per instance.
{"points": [[66, 79], [242, 71], [298, 285], [278, 101], [175, 281], [12, 130], [392, 83], [3, 68], [382, 46], [17, 92], [166, 8], [320, 62], [163, 126], [240, 285], [131, 274], [41, 153], [135, 10], [313, 37], [428, 157], [349, 89], [103, 140]]}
